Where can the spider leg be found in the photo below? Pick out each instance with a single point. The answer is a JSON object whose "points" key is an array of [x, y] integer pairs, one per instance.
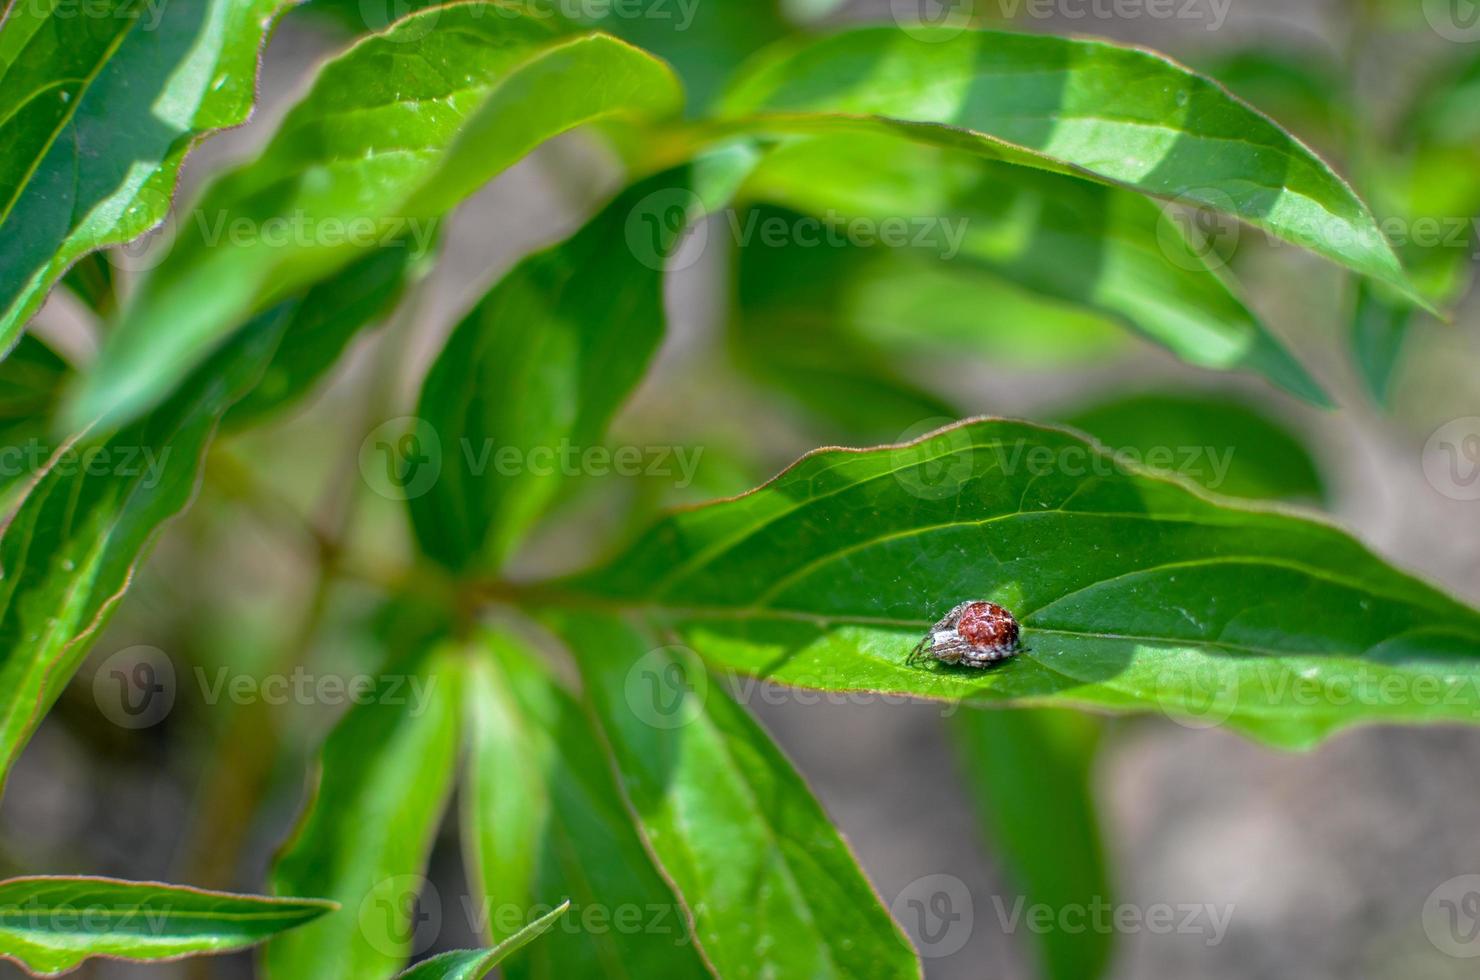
{"points": [[918, 653]]}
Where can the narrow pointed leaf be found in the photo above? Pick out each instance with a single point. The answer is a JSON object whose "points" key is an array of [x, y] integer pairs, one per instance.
{"points": [[772, 885], [544, 817], [1136, 593], [50, 924], [99, 108], [75, 532], [385, 773], [537, 369], [395, 132], [1102, 249], [1031, 775], [1115, 114], [474, 964]]}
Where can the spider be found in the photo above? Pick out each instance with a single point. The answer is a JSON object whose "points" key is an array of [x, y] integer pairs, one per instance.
{"points": [[974, 634]]}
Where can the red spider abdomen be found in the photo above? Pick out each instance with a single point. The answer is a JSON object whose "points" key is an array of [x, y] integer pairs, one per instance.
{"points": [[987, 626]]}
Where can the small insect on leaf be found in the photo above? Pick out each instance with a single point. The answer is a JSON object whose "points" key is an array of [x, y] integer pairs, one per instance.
{"points": [[974, 634]]}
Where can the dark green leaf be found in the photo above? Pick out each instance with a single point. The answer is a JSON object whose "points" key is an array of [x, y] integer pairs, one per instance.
{"points": [[395, 132], [49, 924], [1105, 250], [540, 365], [542, 816], [473, 964], [1216, 442], [1135, 592], [772, 886], [1116, 114], [384, 777], [322, 324], [1031, 774], [98, 110], [84, 519]]}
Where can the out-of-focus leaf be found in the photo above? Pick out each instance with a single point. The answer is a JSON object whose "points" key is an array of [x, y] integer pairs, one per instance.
{"points": [[543, 361], [772, 886], [321, 326], [474, 964], [1106, 250], [543, 816], [385, 773], [1031, 775], [1135, 592], [1115, 114], [31, 380], [788, 329], [97, 111], [50, 924], [83, 520], [1219, 443], [1301, 89], [395, 132]]}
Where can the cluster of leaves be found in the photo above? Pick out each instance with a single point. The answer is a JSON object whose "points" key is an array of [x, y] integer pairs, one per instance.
{"points": [[642, 782]]}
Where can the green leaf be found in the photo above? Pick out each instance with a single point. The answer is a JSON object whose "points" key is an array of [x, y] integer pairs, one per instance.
{"points": [[543, 816], [1216, 442], [395, 132], [473, 964], [1114, 114], [1107, 251], [97, 113], [50, 924], [536, 370], [322, 324], [1031, 775], [384, 777], [31, 380], [772, 886], [80, 525], [1135, 592]]}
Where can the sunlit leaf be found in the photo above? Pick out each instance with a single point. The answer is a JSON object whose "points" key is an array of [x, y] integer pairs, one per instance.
{"points": [[1135, 592], [772, 886], [50, 924], [394, 132], [98, 110]]}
